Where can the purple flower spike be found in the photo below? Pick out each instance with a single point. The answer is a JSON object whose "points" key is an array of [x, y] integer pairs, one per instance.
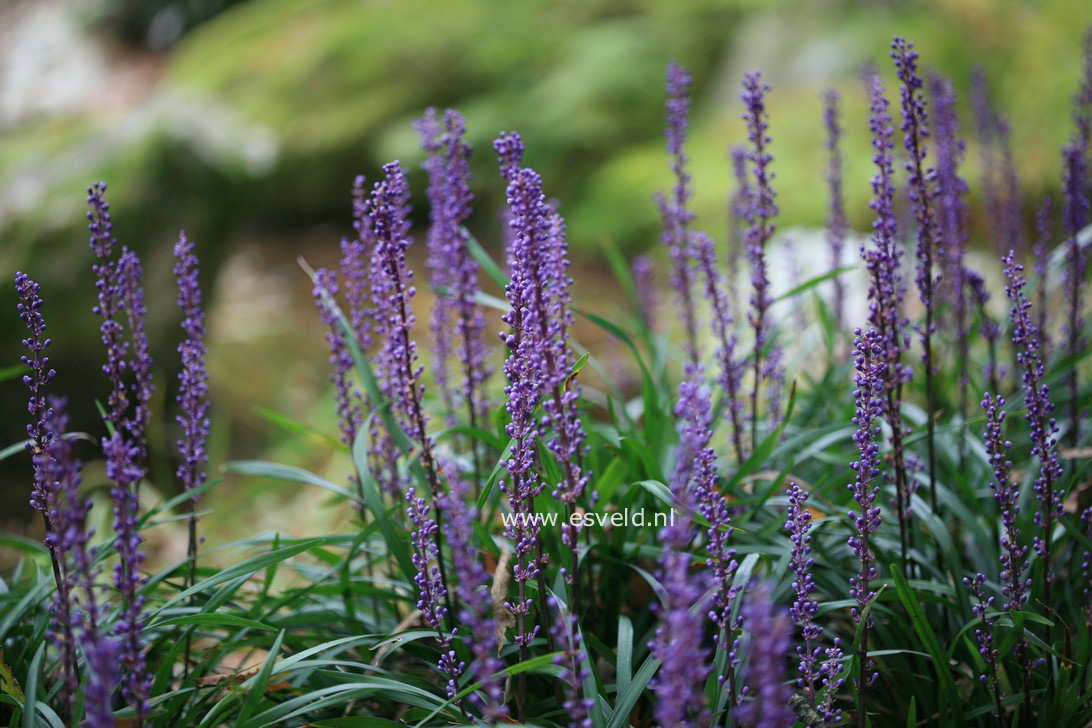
{"points": [[541, 315], [678, 641], [451, 267], [66, 540], [953, 219], [566, 634], [771, 637], [760, 215], [696, 477], [676, 216], [915, 129], [804, 608], [1042, 426], [109, 304], [831, 671], [1075, 186], [836, 218], [523, 369], [731, 373], [38, 431], [868, 396], [886, 293], [430, 585], [122, 467], [193, 387], [476, 602], [985, 634], [349, 411], [1014, 586], [129, 275]]}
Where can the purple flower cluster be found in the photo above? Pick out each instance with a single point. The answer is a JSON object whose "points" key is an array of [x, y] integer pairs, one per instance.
{"points": [[523, 368], [573, 662], [675, 215], [475, 601], [678, 644], [1042, 426], [539, 293], [868, 396], [731, 370], [193, 388], [432, 592], [41, 374], [760, 214], [985, 636], [771, 637], [804, 608], [453, 271], [349, 411], [836, 217], [1014, 564], [953, 214], [989, 328], [119, 290], [55, 468], [696, 479], [915, 129], [885, 295]]}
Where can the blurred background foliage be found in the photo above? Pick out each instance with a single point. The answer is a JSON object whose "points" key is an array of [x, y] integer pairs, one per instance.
{"points": [[245, 121]]}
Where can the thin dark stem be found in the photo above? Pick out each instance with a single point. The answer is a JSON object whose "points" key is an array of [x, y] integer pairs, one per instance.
{"points": [[758, 381], [191, 579]]}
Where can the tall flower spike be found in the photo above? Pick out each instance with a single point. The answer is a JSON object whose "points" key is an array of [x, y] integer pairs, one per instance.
{"points": [[869, 405], [836, 217], [885, 295], [109, 304], [1014, 586], [1075, 186], [475, 602], [38, 431], [193, 387], [66, 512], [350, 416], [130, 285], [915, 129], [432, 593], [523, 369], [566, 634], [696, 470], [72, 542], [771, 637], [760, 214], [730, 372], [675, 215], [122, 458], [984, 634], [953, 218], [991, 330], [1042, 426], [804, 608], [451, 267], [678, 640], [363, 312], [538, 257]]}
